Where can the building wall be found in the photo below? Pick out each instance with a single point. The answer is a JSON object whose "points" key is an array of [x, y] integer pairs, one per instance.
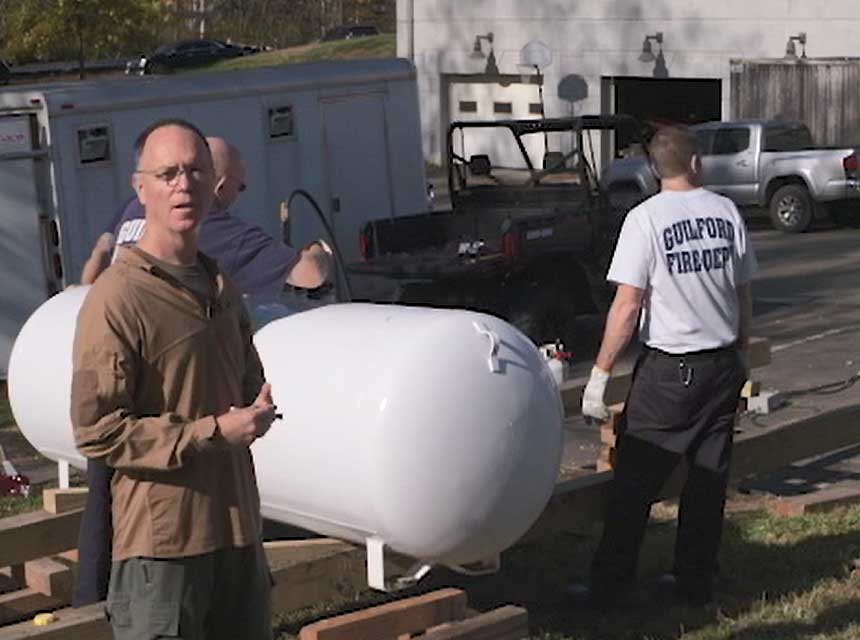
{"points": [[595, 39]]}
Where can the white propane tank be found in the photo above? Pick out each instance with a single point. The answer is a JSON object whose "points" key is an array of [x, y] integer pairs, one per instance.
{"points": [[40, 377], [433, 433]]}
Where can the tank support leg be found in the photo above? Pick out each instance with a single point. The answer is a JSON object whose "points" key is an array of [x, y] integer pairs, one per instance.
{"points": [[376, 578]]}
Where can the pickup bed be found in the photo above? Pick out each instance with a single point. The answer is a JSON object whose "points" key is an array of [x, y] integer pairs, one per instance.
{"points": [[766, 163], [528, 241]]}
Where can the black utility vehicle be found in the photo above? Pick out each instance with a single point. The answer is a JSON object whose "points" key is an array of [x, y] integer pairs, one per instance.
{"points": [[528, 238]]}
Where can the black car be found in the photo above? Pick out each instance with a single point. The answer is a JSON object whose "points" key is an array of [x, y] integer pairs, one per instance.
{"points": [[349, 31], [184, 54]]}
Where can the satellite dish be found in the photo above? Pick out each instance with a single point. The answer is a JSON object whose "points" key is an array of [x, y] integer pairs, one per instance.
{"points": [[536, 54]]}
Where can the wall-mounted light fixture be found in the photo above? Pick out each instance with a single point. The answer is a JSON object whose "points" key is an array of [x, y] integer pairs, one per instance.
{"points": [[492, 69], [477, 49], [647, 54], [791, 47]]}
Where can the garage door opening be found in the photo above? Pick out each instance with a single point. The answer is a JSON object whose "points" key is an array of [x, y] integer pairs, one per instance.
{"points": [[657, 102]]}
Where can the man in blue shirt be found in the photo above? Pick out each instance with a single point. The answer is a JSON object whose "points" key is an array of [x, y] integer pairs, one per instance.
{"points": [[256, 263]]}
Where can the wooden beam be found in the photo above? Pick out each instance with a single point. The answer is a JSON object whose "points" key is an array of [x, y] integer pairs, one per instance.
{"points": [[34, 535], [282, 552], [50, 577], [24, 604], [407, 616], [504, 623], [86, 623], [619, 383], [579, 504], [758, 452], [308, 582], [819, 501], [63, 500]]}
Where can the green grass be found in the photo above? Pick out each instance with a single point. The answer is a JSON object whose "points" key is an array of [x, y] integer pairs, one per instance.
{"points": [[781, 580], [9, 505], [382, 46], [12, 506]]}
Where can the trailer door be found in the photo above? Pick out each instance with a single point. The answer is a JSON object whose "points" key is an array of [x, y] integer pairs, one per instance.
{"points": [[355, 143], [22, 253]]}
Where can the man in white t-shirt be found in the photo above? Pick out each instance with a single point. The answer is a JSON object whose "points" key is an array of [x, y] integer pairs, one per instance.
{"points": [[683, 265]]}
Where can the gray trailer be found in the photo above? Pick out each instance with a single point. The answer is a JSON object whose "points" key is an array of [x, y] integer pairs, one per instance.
{"points": [[348, 133]]}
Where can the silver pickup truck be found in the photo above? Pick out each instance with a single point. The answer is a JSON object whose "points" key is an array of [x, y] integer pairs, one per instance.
{"points": [[763, 163]]}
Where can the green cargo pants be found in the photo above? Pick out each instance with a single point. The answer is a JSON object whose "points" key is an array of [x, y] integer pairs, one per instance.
{"points": [[220, 595]]}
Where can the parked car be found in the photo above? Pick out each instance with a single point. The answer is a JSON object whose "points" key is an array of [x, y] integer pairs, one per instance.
{"points": [[350, 31], [765, 163], [185, 54]]}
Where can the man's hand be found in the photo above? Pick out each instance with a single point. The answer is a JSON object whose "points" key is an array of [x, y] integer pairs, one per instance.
{"points": [[314, 267], [593, 407], [240, 427]]}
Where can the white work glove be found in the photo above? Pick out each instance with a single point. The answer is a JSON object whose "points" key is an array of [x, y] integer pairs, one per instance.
{"points": [[593, 407]]}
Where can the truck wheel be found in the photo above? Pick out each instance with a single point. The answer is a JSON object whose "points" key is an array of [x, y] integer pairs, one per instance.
{"points": [[791, 209], [543, 314]]}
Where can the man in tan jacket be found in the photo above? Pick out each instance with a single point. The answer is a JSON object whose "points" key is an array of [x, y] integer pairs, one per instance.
{"points": [[169, 391]]}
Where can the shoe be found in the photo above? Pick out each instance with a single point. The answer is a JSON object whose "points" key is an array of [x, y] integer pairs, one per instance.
{"points": [[698, 596], [583, 597]]}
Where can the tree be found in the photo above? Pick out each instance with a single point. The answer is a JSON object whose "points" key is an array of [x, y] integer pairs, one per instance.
{"points": [[39, 30]]}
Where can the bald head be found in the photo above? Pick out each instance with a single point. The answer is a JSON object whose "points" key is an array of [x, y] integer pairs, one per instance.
{"points": [[229, 172]]}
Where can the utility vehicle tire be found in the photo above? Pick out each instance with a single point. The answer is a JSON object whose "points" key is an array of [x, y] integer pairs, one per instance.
{"points": [[544, 314]]}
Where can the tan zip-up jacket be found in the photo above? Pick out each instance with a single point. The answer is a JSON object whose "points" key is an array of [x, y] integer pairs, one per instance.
{"points": [[153, 365]]}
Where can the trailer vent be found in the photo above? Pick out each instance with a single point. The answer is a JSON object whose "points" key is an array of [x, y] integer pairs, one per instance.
{"points": [[94, 144], [281, 122]]}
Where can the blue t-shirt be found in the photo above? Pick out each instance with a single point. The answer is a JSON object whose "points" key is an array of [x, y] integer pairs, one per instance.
{"points": [[255, 262]]}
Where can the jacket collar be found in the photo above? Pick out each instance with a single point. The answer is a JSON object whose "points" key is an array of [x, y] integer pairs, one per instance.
{"points": [[135, 258]]}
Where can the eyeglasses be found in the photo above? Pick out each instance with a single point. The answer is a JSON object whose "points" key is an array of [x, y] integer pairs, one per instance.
{"points": [[170, 175]]}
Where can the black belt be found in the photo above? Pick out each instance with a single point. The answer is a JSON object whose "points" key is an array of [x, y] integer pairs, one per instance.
{"points": [[692, 356], [687, 362]]}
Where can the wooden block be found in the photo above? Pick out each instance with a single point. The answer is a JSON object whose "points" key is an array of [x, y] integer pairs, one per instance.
{"points": [[25, 603], [34, 535], [69, 556], [19, 575], [50, 577], [751, 389], [615, 411], [7, 584], [815, 502], [280, 552], [62, 500], [303, 584], [606, 459], [86, 623], [505, 623], [393, 619], [607, 435]]}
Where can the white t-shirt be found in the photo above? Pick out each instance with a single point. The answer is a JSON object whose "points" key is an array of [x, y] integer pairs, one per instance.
{"points": [[688, 250]]}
